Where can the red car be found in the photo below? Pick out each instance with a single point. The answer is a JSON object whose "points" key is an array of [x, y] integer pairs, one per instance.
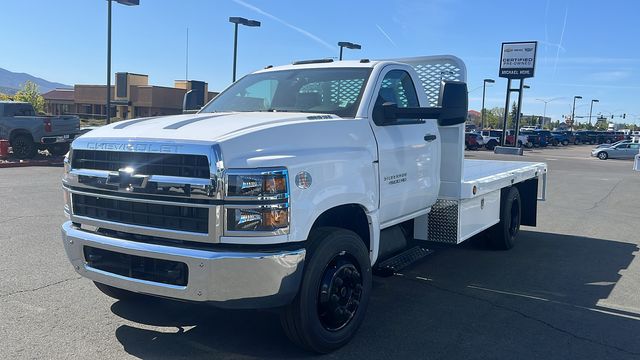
{"points": [[472, 142]]}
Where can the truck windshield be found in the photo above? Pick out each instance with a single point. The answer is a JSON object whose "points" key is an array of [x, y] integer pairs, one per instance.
{"points": [[327, 91]]}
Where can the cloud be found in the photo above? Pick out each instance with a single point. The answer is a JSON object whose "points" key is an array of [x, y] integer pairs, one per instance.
{"points": [[593, 86], [386, 35], [287, 24], [564, 26], [610, 76], [597, 60]]}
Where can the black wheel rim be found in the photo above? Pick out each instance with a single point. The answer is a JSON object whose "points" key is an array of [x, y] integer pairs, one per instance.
{"points": [[514, 225], [20, 147], [340, 292]]}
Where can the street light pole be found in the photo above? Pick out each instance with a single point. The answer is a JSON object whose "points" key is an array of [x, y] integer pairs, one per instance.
{"points": [[239, 21], [591, 109], [123, 2], [348, 45], [573, 110], [108, 114], [544, 114], [484, 88], [235, 51]]}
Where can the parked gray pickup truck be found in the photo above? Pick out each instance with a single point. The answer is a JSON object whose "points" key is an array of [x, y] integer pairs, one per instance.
{"points": [[28, 133]]}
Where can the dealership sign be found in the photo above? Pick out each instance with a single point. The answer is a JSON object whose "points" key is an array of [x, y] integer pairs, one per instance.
{"points": [[518, 59]]}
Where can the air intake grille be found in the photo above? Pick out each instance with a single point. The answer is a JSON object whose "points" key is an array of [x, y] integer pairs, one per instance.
{"points": [[194, 166], [181, 218], [137, 267]]}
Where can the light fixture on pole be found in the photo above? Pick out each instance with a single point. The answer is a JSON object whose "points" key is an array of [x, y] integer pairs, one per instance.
{"points": [[591, 108], [123, 2], [239, 21], [484, 88], [573, 110], [348, 45]]}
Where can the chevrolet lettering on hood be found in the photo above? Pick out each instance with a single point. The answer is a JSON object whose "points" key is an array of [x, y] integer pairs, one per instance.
{"points": [[134, 147]]}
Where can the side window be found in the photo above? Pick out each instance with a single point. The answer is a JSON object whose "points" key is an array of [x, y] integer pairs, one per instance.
{"points": [[634, 146], [397, 87]]}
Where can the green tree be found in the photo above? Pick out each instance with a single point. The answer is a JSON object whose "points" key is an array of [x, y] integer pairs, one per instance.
{"points": [[4, 97], [29, 93], [493, 117]]}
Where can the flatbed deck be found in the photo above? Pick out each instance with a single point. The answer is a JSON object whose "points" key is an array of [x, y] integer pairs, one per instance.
{"points": [[490, 175]]}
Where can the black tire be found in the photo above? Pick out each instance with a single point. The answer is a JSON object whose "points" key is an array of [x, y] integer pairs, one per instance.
{"points": [[58, 149], [529, 145], [603, 155], [334, 293], [466, 145], [491, 145], [576, 142], [504, 233], [565, 142], [118, 294], [23, 147]]}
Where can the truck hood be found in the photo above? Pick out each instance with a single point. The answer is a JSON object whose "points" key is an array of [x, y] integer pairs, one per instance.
{"points": [[210, 127]]}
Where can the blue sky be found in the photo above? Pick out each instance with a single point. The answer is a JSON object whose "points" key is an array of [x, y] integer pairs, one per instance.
{"points": [[587, 47]]}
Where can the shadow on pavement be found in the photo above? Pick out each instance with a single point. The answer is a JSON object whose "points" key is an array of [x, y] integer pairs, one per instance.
{"points": [[539, 300]]}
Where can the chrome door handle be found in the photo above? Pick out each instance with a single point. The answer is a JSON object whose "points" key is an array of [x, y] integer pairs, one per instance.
{"points": [[429, 137]]}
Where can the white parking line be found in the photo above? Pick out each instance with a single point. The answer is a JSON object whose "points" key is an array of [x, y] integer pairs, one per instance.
{"points": [[554, 302]]}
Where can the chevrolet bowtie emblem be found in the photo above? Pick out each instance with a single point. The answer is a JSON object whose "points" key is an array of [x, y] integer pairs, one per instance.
{"points": [[127, 179]]}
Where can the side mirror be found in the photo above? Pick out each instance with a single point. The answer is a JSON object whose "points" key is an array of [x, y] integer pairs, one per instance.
{"points": [[191, 102], [451, 110], [389, 113], [454, 103]]}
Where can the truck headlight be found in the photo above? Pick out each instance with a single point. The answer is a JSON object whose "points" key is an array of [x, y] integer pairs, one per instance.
{"points": [[265, 218], [257, 184], [65, 192], [258, 202]]}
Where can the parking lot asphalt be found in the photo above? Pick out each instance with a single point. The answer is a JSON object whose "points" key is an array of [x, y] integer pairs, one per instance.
{"points": [[570, 289]]}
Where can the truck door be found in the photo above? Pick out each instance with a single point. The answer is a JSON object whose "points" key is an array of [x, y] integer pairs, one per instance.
{"points": [[408, 150]]}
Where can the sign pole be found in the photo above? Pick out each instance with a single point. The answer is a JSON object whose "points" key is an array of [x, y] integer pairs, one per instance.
{"points": [[517, 119], [506, 114]]}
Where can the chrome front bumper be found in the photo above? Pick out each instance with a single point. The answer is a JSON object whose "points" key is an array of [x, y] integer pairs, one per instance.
{"points": [[224, 278]]}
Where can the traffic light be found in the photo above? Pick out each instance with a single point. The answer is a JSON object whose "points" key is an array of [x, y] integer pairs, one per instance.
{"points": [[611, 116], [624, 116]]}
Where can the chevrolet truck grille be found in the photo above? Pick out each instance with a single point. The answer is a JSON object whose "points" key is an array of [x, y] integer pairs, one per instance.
{"points": [[174, 217], [192, 166]]}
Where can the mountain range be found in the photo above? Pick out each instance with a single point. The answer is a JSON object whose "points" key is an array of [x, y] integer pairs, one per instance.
{"points": [[10, 82]]}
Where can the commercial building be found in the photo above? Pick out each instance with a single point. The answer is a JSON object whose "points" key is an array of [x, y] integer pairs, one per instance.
{"points": [[132, 97]]}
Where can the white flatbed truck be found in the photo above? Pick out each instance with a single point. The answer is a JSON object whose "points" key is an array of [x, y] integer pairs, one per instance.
{"points": [[289, 189]]}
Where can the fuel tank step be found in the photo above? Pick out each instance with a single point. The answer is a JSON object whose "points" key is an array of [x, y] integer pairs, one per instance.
{"points": [[400, 261]]}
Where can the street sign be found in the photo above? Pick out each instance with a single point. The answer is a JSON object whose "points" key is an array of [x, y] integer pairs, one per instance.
{"points": [[518, 59]]}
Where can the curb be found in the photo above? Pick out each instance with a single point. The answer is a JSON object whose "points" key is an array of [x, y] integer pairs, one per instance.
{"points": [[56, 163]]}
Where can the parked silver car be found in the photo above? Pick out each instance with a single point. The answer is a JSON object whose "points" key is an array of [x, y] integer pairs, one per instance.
{"points": [[622, 150], [605, 145]]}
